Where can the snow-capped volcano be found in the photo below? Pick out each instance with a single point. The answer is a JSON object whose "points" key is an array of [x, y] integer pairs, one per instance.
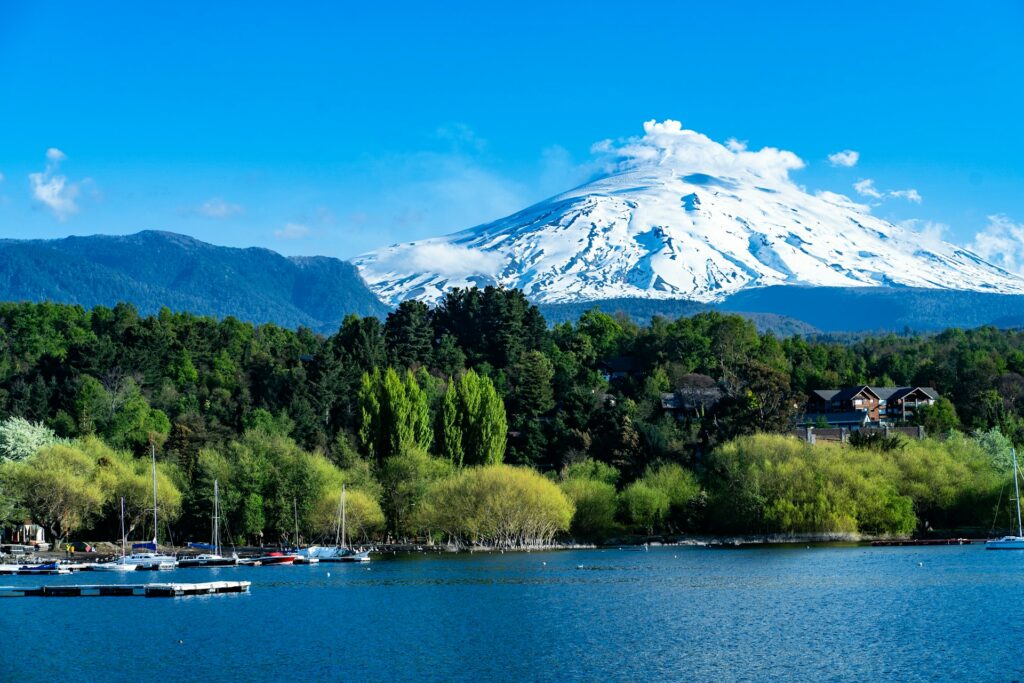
{"points": [[680, 216]]}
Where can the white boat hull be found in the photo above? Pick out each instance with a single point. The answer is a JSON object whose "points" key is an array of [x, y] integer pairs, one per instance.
{"points": [[113, 567], [1006, 543]]}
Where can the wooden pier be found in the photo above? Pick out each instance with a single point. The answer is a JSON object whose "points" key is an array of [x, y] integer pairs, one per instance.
{"points": [[146, 590], [922, 541]]}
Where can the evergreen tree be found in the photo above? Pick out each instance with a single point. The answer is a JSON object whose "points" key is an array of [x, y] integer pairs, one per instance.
{"points": [[530, 379], [409, 334]]}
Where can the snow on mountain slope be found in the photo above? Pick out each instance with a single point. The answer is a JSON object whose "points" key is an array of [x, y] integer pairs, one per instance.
{"points": [[681, 216]]}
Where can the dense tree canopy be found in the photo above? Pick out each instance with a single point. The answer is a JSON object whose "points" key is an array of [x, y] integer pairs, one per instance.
{"points": [[282, 418]]}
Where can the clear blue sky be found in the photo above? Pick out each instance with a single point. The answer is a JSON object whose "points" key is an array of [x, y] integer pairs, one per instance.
{"points": [[333, 128]]}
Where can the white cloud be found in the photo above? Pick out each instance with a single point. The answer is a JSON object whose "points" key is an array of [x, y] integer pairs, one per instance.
{"points": [[667, 143], [735, 145], [848, 158], [218, 208], [292, 231], [866, 188], [449, 260], [910, 194], [927, 233], [52, 189], [1001, 243]]}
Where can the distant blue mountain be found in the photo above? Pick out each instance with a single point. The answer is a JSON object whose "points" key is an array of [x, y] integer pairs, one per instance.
{"points": [[152, 269], [802, 310]]}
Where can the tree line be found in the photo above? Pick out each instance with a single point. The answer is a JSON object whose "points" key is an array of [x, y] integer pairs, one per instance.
{"points": [[431, 404]]}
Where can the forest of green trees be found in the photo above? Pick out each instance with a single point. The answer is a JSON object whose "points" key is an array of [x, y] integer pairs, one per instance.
{"points": [[475, 421]]}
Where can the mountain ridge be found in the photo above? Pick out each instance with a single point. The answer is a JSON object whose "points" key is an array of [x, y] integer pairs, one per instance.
{"points": [[154, 268]]}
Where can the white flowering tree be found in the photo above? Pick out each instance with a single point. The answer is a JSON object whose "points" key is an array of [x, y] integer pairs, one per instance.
{"points": [[20, 438]]}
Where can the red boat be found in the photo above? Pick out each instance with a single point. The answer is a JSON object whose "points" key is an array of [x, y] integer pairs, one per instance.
{"points": [[275, 558]]}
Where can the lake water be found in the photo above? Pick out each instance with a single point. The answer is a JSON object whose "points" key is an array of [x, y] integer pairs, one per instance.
{"points": [[806, 614]]}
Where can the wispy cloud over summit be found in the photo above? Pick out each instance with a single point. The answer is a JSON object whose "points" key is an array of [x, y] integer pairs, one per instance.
{"points": [[668, 143]]}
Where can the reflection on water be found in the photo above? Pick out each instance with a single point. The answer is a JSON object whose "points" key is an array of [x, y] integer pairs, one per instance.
{"points": [[901, 614]]}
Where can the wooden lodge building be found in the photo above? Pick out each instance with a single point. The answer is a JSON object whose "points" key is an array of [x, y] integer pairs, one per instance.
{"points": [[861, 407]]}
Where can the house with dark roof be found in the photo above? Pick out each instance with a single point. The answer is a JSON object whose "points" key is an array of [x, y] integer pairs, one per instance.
{"points": [[617, 367], [861, 406], [691, 401]]}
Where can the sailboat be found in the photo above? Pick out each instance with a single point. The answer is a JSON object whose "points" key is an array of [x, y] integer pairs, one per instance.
{"points": [[212, 559], [152, 559], [1011, 542], [341, 552], [122, 564], [302, 555]]}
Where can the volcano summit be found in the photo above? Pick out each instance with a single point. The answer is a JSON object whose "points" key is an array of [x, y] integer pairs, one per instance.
{"points": [[676, 215]]}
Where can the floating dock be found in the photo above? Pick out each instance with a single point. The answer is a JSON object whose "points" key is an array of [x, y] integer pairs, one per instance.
{"points": [[146, 590], [923, 541], [31, 571]]}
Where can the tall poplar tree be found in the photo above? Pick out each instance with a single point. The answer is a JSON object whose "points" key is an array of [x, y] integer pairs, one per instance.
{"points": [[393, 414], [472, 427], [449, 426]]}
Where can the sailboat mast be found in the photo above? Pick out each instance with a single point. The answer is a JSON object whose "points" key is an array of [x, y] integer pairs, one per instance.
{"points": [[216, 519], [337, 525], [1016, 489], [343, 543], [295, 505], [156, 529], [122, 529]]}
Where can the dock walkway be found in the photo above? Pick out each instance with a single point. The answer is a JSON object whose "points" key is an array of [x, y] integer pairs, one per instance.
{"points": [[147, 590]]}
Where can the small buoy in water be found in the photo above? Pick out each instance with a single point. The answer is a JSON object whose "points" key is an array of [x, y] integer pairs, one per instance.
{"points": [[579, 566], [328, 575], [368, 569], [920, 564], [543, 564], [675, 557], [181, 642]]}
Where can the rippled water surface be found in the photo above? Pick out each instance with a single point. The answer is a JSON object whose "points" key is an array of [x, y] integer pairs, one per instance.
{"points": [[814, 614]]}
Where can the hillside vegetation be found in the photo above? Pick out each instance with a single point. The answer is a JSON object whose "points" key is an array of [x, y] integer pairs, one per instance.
{"points": [[476, 422], [157, 269]]}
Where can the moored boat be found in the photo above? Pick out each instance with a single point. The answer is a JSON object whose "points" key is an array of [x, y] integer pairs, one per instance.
{"points": [[46, 568], [121, 564], [1011, 542], [151, 560], [214, 558], [275, 558], [207, 560], [341, 552]]}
